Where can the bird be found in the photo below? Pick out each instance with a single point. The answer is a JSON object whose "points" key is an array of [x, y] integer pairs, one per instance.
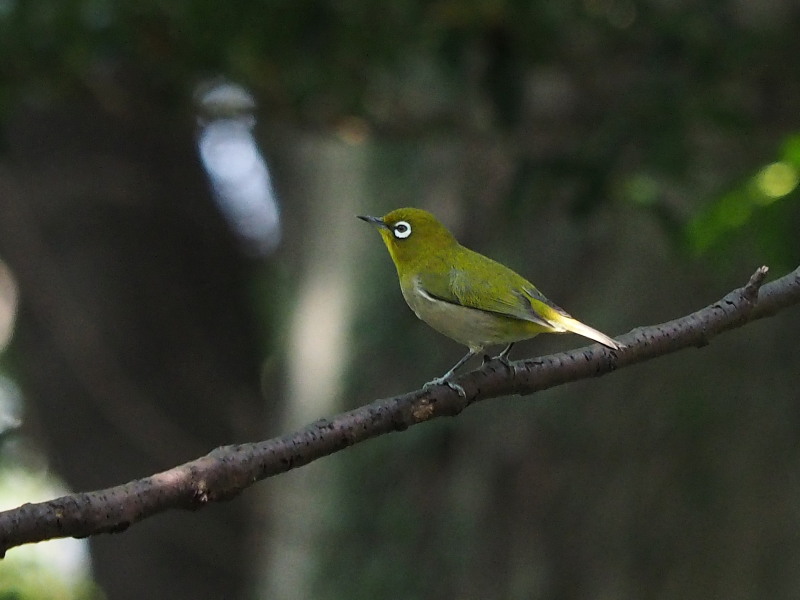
{"points": [[467, 296]]}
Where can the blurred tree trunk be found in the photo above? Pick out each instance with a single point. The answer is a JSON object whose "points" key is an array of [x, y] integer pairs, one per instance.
{"points": [[135, 345], [328, 246]]}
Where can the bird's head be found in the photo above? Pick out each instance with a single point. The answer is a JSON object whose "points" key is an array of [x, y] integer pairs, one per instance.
{"points": [[411, 234]]}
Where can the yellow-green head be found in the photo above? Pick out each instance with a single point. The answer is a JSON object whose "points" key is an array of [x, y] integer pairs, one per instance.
{"points": [[411, 234]]}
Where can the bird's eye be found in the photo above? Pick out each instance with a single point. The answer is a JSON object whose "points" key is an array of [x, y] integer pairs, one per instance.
{"points": [[401, 230]]}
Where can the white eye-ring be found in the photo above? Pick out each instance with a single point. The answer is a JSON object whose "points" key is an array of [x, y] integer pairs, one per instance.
{"points": [[401, 229]]}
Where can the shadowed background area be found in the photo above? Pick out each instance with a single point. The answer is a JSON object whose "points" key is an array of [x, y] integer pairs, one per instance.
{"points": [[180, 268]]}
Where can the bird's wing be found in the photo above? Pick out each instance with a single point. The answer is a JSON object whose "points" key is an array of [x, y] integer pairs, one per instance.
{"points": [[508, 296], [506, 293]]}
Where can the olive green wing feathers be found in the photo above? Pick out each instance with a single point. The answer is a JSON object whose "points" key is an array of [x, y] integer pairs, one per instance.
{"points": [[492, 287], [508, 294], [502, 292]]}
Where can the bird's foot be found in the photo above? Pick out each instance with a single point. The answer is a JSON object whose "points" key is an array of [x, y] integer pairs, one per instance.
{"points": [[503, 360], [445, 381]]}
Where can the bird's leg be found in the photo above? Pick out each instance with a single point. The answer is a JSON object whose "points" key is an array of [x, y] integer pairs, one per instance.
{"points": [[445, 379], [456, 366], [503, 356]]}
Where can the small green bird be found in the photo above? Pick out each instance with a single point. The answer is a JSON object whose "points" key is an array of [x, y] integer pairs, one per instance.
{"points": [[464, 295]]}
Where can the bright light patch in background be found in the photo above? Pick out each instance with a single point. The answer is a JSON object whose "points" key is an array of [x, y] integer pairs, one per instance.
{"points": [[777, 180], [10, 408], [734, 209], [52, 569], [237, 171], [8, 304]]}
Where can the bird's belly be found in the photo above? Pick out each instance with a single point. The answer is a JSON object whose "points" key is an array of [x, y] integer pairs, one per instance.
{"points": [[470, 326]]}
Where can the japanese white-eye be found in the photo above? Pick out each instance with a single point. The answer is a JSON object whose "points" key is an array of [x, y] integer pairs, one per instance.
{"points": [[466, 296]]}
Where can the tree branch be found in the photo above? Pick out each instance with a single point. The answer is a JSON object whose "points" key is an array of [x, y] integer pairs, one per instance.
{"points": [[226, 471]]}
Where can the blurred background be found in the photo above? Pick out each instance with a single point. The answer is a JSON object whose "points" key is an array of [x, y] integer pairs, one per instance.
{"points": [[180, 268]]}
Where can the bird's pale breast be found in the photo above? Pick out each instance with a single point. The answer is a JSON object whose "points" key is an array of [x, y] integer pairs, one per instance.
{"points": [[472, 327]]}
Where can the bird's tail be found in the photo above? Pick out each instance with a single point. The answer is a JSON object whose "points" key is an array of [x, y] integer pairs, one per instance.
{"points": [[573, 325]]}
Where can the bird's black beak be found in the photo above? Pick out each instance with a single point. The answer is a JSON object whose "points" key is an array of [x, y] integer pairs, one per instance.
{"points": [[377, 221]]}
